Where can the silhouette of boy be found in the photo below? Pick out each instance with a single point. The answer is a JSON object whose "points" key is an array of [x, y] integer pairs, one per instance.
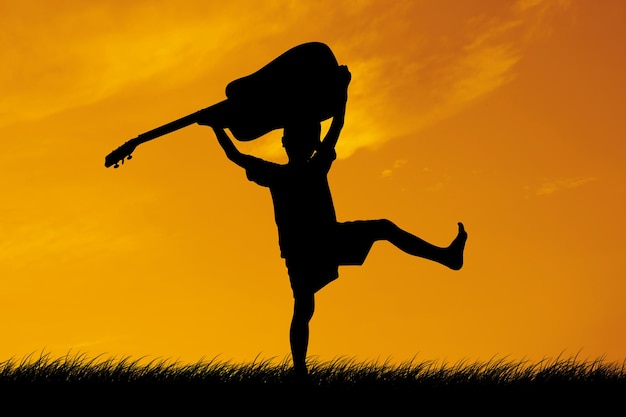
{"points": [[311, 240]]}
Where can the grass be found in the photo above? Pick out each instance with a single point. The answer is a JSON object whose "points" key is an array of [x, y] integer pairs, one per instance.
{"points": [[77, 381]]}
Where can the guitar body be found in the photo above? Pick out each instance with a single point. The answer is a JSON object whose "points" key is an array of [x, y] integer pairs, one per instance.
{"points": [[300, 83]]}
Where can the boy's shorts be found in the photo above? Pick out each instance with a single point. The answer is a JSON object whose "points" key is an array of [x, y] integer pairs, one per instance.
{"points": [[313, 271], [310, 276], [353, 242]]}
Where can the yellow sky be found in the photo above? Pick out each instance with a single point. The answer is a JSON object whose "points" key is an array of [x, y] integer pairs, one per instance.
{"points": [[504, 115]]}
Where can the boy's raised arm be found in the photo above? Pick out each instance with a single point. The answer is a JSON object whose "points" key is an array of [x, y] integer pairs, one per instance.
{"points": [[336, 125], [229, 147]]}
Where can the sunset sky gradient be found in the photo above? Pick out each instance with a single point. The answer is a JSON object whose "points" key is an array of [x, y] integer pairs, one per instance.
{"points": [[505, 115]]}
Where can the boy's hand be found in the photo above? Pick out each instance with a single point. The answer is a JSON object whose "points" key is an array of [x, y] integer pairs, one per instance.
{"points": [[343, 80], [344, 76], [205, 121], [206, 117]]}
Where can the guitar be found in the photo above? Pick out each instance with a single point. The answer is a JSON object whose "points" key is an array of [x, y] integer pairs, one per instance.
{"points": [[306, 79]]}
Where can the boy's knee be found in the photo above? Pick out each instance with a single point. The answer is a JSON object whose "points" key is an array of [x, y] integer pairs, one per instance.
{"points": [[386, 223], [303, 312], [384, 227]]}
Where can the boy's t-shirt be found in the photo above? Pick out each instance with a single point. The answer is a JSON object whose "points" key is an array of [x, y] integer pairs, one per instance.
{"points": [[311, 240], [303, 205], [305, 216]]}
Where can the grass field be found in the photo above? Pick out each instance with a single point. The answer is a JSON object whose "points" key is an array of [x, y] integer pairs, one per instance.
{"points": [[80, 385]]}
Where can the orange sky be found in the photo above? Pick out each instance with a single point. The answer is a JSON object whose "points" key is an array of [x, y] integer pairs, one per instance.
{"points": [[505, 115]]}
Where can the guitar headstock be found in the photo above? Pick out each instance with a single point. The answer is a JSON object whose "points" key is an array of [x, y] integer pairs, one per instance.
{"points": [[120, 154]]}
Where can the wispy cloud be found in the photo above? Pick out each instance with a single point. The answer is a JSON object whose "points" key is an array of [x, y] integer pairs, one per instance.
{"points": [[77, 56], [427, 79], [388, 172], [549, 187]]}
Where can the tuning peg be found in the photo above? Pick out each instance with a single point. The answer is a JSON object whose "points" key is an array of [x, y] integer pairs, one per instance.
{"points": [[116, 165], [130, 157]]}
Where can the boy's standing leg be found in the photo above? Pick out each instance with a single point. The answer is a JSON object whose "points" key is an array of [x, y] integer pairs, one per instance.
{"points": [[303, 308]]}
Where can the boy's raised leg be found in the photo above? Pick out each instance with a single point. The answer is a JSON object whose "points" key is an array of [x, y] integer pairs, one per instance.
{"points": [[370, 231]]}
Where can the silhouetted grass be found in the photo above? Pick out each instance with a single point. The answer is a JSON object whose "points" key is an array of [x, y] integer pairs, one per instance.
{"points": [[76, 381]]}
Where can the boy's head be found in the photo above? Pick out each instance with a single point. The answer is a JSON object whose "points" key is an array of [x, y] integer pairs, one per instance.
{"points": [[301, 138]]}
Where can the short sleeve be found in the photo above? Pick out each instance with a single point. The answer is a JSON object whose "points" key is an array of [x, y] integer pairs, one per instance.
{"points": [[262, 172]]}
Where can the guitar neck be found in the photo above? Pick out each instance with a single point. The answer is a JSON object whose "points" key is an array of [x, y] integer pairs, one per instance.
{"points": [[215, 113], [168, 128]]}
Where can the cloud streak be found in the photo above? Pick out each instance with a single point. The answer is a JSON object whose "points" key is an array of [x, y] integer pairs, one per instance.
{"points": [[95, 50], [553, 186], [450, 74]]}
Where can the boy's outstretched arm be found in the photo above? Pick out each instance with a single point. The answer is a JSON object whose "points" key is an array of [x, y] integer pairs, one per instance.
{"points": [[230, 149], [336, 125]]}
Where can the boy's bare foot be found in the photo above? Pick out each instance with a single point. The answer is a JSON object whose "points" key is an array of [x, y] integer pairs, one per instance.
{"points": [[454, 253]]}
